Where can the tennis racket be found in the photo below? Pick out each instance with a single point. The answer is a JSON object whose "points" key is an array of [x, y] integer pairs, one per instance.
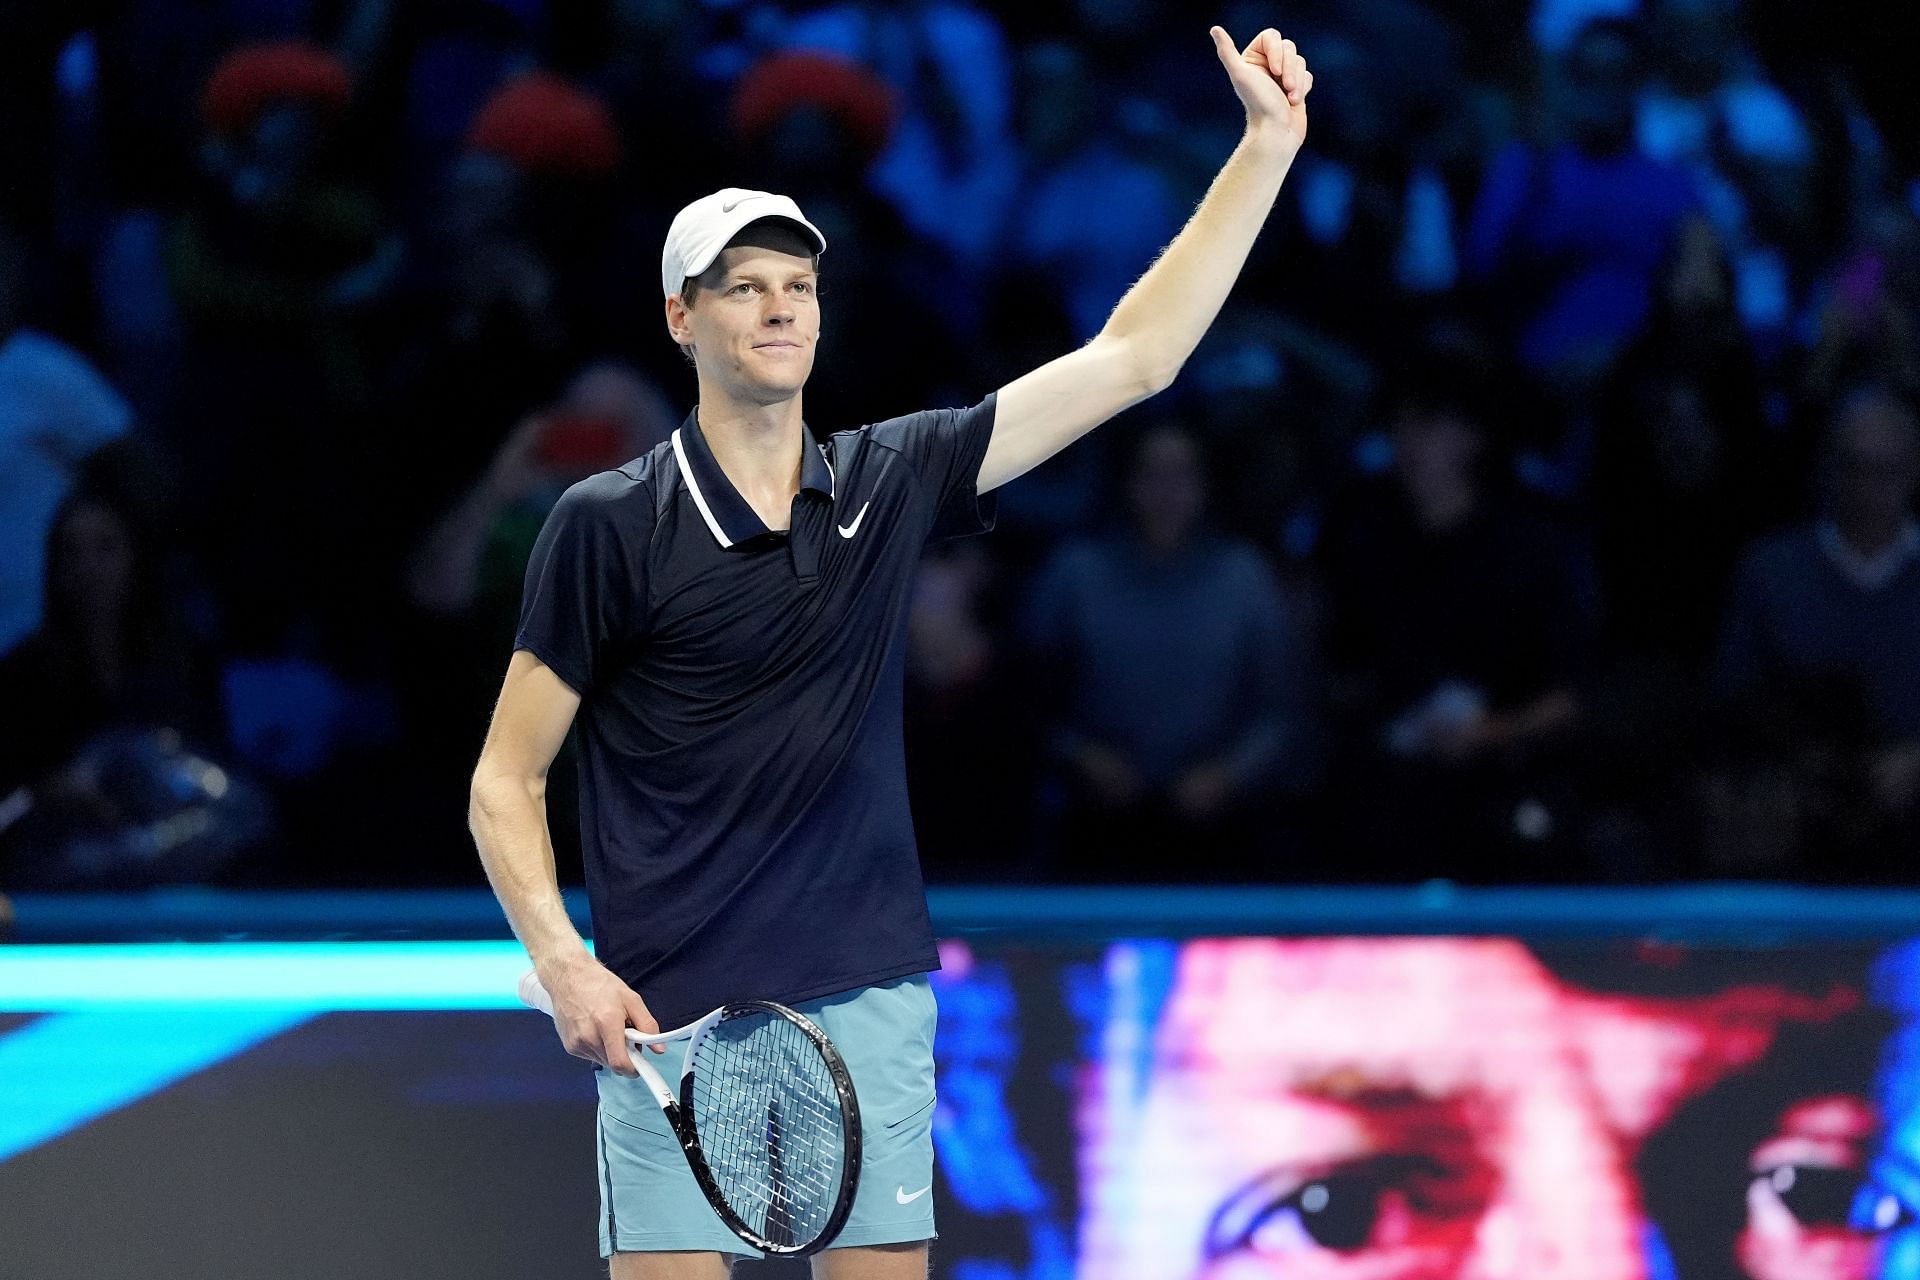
{"points": [[765, 1115]]}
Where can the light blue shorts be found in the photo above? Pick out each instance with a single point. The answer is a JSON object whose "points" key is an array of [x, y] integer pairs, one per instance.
{"points": [[649, 1201]]}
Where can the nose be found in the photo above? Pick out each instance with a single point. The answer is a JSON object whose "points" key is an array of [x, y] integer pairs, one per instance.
{"points": [[1579, 1221]]}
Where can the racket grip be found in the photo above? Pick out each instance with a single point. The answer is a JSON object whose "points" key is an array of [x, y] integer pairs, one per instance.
{"points": [[533, 995]]}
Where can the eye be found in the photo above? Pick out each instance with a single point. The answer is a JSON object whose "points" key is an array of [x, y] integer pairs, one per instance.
{"points": [[802, 286], [1836, 1199], [742, 287], [1814, 1195], [1279, 1214], [1335, 1213]]}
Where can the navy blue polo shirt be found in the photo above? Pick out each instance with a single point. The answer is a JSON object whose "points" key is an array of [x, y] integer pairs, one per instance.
{"points": [[743, 798]]}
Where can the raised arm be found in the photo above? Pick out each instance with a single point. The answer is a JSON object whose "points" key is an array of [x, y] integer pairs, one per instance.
{"points": [[1162, 318]]}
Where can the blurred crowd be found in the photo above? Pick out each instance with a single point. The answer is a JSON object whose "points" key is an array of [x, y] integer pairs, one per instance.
{"points": [[1541, 508]]}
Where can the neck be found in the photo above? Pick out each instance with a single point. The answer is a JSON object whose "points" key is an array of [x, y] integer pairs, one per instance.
{"points": [[758, 446], [1869, 538], [1439, 507]]}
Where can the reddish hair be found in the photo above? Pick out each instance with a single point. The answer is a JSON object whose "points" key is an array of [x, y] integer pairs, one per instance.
{"points": [[254, 77], [543, 124]]}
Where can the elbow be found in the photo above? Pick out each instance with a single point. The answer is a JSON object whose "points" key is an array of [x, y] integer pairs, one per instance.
{"points": [[1148, 378], [477, 805], [1143, 371], [1152, 371], [1155, 378], [494, 790]]}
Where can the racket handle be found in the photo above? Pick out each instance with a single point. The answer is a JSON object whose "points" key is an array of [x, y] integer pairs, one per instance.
{"points": [[533, 995]]}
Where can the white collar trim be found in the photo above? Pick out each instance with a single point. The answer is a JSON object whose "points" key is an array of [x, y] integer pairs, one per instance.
{"points": [[693, 487]]}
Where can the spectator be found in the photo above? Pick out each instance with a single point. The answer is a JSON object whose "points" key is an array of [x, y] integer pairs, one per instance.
{"points": [[278, 266], [969, 764], [1869, 320], [109, 778], [510, 280], [1682, 469], [1710, 105], [111, 649], [948, 166], [55, 411], [1092, 213], [608, 415], [463, 581], [1568, 234], [1180, 683], [1367, 230], [1822, 649], [1458, 634]]}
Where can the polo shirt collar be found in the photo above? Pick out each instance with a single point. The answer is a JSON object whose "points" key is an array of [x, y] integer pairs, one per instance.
{"points": [[730, 517]]}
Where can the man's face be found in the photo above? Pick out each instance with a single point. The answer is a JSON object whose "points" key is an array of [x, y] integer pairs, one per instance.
{"points": [[754, 320], [1360, 1109], [1874, 462]]}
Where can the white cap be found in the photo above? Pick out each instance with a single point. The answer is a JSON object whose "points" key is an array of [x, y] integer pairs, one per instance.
{"points": [[702, 229]]}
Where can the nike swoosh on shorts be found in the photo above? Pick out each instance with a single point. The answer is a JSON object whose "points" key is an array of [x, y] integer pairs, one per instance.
{"points": [[900, 1193]]}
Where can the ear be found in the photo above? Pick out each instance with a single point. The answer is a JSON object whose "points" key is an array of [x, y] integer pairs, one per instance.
{"points": [[677, 326]]}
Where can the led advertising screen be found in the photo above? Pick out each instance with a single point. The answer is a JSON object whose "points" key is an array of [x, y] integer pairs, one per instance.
{"points": [[1326, 1108]]}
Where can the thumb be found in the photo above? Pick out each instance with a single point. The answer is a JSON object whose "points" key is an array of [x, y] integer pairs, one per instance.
{"points": [[641, 1018], [1224, 48]]}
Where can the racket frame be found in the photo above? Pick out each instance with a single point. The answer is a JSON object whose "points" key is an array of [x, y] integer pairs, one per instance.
{"points": [[678, 1109], [680, 1115]]}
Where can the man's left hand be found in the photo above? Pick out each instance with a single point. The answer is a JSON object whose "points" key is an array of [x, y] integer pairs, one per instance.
{"points": [[1272, 81]]}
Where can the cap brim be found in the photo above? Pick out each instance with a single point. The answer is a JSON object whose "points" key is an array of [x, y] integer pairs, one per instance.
{"points": [[805, 228]]}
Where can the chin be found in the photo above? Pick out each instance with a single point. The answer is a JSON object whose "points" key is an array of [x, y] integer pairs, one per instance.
{"points": [[783, 385], [762, 391]]}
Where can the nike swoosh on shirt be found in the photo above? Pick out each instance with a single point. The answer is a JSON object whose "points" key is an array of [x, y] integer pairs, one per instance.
{"points": [[848, 530], [900, 1194]]}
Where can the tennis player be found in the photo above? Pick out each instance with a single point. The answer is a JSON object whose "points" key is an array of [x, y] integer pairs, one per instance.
{"points": [[725, 620]]}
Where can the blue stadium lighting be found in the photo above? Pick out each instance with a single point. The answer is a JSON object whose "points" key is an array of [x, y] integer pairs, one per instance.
{"points": [[314, 976], [66, 1069], [126, 1020]]}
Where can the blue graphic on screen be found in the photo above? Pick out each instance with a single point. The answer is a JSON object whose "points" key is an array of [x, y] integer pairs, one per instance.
{"points": [[990, 1173], [1896, 1169]]}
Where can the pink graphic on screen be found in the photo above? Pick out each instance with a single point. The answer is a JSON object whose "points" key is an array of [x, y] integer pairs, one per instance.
{"points": [[1451, 1109]]}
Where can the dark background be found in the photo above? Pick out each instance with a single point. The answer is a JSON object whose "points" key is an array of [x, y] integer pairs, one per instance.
{"points": [[1534, 511]]}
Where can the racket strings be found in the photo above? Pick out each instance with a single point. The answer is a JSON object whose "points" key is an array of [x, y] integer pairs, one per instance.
{"points": [[770, 1125]]}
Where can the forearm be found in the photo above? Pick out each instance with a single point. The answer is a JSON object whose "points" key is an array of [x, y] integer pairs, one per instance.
{"points": [[1163, 317], [508, 819]]}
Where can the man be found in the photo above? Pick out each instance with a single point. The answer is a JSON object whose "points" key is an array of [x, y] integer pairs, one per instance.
{"points": [[1826, 617], [1418, 1109], [725, 616]]}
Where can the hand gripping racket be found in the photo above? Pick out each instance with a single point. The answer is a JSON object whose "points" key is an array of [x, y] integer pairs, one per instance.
{"points": [[765, 1116]]}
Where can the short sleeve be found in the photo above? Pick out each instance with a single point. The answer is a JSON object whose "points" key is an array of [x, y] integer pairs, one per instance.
{"points": [[584, 605], [945, 447]]}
